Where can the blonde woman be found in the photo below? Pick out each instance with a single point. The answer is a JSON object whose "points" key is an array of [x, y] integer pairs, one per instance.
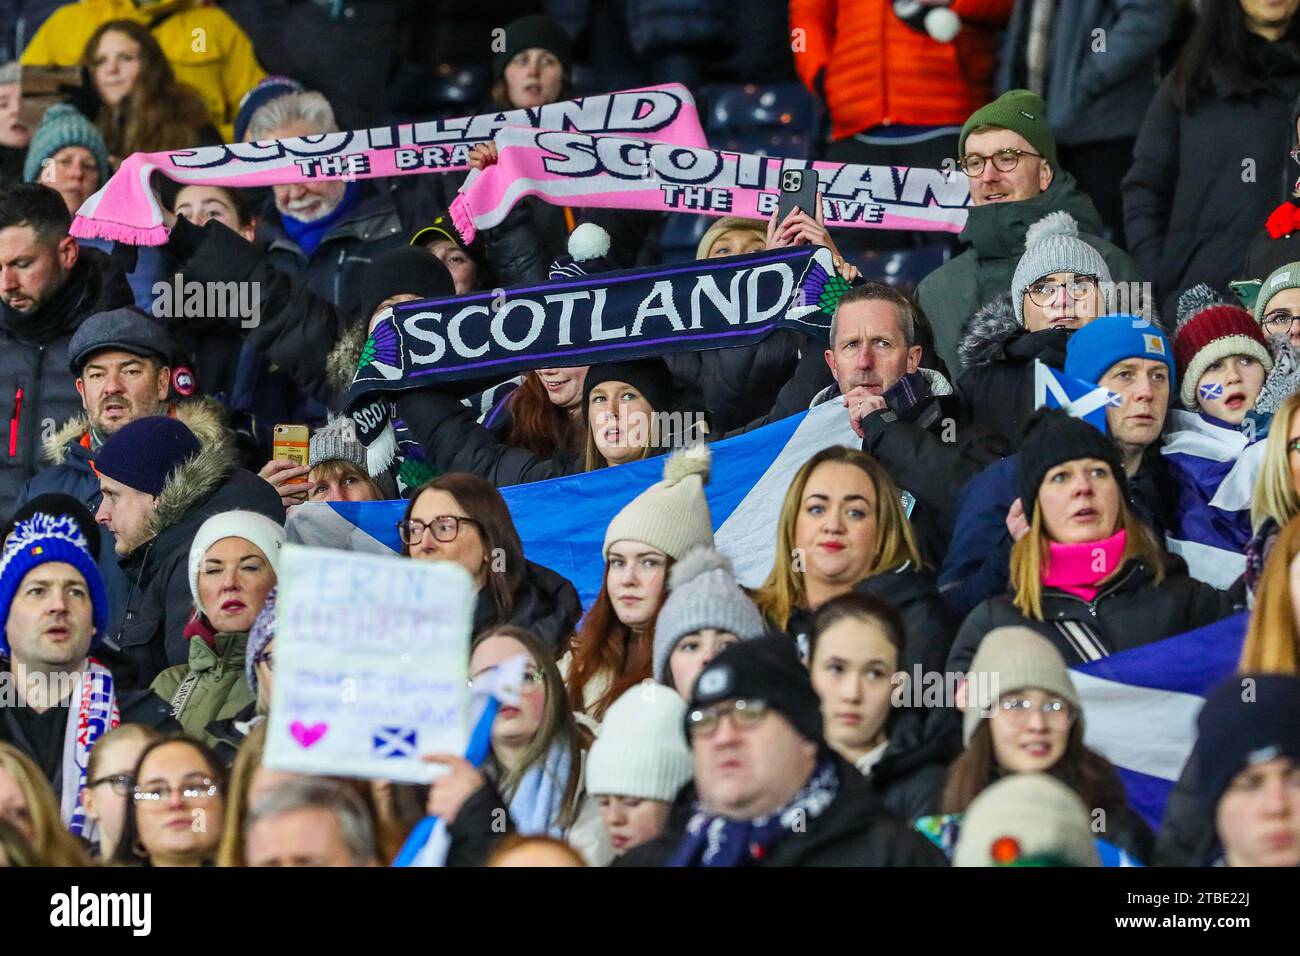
{"points": [[28, 804], [1273, 637], [843, 528], [1087, 575], [1277, 489]]}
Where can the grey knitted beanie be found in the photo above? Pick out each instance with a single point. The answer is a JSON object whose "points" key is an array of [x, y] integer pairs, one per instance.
{"points": [[1053, 245]]}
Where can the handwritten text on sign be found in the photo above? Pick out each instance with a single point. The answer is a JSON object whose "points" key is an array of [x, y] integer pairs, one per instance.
{"points": [[371, 664]]}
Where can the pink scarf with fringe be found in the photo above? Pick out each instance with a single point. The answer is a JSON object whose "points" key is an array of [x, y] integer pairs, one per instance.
{"points": [[126, 210], [616, 172]]}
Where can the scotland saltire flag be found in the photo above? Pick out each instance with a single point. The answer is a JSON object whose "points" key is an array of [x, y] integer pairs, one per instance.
{"points": [[1214, 467], [389, 742], [429, 841], [562, 521], [1140, 706], [1053, 389]]}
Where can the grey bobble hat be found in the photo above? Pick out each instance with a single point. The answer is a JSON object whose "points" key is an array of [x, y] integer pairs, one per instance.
{"points": [[1053, 245], [702, 592], [1011, 659], [337, 441], [640, 751]]}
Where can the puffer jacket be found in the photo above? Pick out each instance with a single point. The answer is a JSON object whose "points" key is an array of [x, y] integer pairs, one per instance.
{"points": [[222, 67], [209, 687], [37, 388], [151, 632], [1130, 611], [996, 390], [545, 602], [875, 70], [855, 829], [71, 471], [996, 235], [1186, 219]]}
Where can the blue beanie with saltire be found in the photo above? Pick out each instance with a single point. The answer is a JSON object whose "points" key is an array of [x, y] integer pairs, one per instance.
{"points": [[1113, 338], [43, 539]]}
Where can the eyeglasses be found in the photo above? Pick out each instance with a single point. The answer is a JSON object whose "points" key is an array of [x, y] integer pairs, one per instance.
{"points": [[1293, 445], [1004, 160], [533, 678], [1279, 320], [1079, 287], [1056, 712], [120, 782], [264, 657], [745, 713], [445, 528], [160, 794]]}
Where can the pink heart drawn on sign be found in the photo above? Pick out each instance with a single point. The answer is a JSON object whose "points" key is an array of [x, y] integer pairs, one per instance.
{"points": [[306, 736]]}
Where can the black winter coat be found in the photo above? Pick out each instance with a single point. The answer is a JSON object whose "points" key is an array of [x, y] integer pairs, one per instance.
{"points": [[1190, 209], [37, 388], [1267, 254], [996, 390], [545, 602], [1129, 612], [856, 829], [151, 633], [738, 385]]}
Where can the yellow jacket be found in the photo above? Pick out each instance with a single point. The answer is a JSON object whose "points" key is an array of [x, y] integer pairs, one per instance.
{"points": [[206, 48]]}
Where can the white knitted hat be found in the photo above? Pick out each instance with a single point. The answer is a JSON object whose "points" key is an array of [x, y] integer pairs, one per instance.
{"points": [[641, 751], [249, 525], [671, 515], [1023, 818]]}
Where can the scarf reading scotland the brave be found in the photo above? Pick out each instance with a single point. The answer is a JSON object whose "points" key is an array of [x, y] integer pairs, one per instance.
{"points": [[616, 172], [125, 209], [587, 320]]}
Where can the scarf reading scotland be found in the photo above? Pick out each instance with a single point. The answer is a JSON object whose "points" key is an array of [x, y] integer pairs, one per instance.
{"points": [[125, 209], [588, 320]]}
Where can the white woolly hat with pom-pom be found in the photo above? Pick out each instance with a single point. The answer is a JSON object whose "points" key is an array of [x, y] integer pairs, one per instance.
{"points": [[1053, 245], [588, 253], [672, 515], [702, 592]]}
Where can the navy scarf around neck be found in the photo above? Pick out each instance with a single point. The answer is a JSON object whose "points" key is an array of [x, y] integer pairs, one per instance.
{"points": [[308, 235]]}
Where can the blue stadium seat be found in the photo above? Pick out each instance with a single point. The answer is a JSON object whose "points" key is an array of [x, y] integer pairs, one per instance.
{"points": [[681, 235], [780, 119], [900, 267], [458, 91]]}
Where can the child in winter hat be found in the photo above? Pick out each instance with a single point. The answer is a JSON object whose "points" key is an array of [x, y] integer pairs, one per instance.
{"points": [[1052, 245], [1027, 819], [1222, 356], [702, 594], [671, 515], [640, 754]]}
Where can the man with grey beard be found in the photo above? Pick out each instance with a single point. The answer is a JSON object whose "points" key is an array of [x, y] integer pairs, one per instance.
{"points": [[327, 231]]}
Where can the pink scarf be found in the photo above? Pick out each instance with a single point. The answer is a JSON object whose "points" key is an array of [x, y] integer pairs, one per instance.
{"points": [[614, 172], [125, 209], [1078, 568]]}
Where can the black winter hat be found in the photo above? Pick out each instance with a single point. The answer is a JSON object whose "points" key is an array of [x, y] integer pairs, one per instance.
{"points": [[1053, 436], [405, 270], [144, 454], [1248, 719], [649, 376], [537, 30], [765, 668]]}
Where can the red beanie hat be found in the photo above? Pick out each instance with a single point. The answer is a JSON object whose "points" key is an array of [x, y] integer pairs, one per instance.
{"points": [[1210, 331]]}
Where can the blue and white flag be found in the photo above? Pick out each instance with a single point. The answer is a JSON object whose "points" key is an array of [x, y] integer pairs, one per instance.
{"points": [[562, 522], [1214, 468], [429, 841], [1055, 389], [1141, 705]]}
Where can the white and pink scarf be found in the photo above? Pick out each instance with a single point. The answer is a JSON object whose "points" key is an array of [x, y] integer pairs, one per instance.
{"points": [[95, 713], [125, 209]]}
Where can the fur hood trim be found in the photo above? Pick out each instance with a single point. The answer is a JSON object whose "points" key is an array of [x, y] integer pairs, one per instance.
{"points": [[203, 416], [201, 475], [985, 334], [341, 363]]}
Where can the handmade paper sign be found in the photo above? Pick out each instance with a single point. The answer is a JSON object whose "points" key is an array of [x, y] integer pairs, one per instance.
{"points": [[371, 663]]}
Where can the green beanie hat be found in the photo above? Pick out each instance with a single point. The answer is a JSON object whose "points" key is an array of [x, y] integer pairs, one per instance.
{"points": [[1021, 111]]}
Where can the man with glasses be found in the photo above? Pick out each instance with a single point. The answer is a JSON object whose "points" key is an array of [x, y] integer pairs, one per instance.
{"points": [[1277, 308], [54, 609], [769, 791], [1008, 153]]}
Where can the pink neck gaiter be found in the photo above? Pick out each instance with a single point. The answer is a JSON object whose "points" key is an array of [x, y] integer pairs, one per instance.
{"points": [[1078, 568]]}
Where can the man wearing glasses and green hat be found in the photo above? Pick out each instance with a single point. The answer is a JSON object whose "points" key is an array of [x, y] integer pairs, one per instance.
{"points": [[1008, 153]]}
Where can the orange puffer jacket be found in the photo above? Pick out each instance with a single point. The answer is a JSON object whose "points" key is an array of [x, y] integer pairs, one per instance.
{"points": [[880, 71]]}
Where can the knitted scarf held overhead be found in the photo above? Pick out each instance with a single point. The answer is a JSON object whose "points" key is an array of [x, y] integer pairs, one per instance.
{"points": [[125, 209], [95, 713], [615, 172], [607, 317]]}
